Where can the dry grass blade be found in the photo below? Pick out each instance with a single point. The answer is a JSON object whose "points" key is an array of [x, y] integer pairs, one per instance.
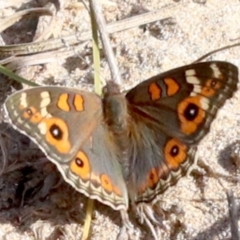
{"points": [[97, 84], [35, 47], [15, 77], [46, 25], [88, 219], [96, 54], [16, 62], [4, 154]]}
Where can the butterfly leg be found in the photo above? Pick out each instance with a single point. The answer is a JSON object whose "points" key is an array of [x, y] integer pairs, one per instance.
{"points": [[127, 226], [151, 215]]}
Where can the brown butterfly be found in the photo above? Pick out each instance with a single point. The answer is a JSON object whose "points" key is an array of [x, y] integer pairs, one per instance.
{"points": [[125, 146]]}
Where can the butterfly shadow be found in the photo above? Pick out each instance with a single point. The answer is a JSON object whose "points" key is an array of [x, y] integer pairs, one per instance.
{"points": [[228, 159], [225, 227]]}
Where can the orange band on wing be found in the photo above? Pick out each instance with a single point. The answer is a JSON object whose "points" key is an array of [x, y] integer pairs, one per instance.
{"points": [[155, 91], [172, 86], [62, 102], [78, 102]]}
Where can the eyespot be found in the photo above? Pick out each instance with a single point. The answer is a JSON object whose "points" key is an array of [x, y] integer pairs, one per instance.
{"points": [[80, 165]]}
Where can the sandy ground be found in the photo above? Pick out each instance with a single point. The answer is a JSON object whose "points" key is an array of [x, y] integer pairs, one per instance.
{"points": [[36, 204]]}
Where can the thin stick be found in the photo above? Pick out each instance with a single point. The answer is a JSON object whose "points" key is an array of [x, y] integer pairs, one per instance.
{"points": [[233, 215], [215, 51], [106, 42]]}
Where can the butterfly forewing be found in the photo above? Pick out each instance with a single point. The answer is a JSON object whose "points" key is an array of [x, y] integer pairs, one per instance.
{"points": [[184, 101]]}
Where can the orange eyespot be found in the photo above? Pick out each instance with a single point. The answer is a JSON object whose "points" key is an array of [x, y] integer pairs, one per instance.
{"points": [[175, 153], [80, 165], [106, 183], [57, 133], [190, 114]]}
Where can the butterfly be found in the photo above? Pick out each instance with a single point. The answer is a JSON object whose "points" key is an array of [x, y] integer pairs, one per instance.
{"points": [[125, 148]]}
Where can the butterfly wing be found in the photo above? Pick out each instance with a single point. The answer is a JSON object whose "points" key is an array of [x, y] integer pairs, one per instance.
{"points": [[171, 113], [67, 126]]}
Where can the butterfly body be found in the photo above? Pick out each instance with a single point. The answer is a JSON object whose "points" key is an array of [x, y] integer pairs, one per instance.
{"points": [[125, 146]]}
